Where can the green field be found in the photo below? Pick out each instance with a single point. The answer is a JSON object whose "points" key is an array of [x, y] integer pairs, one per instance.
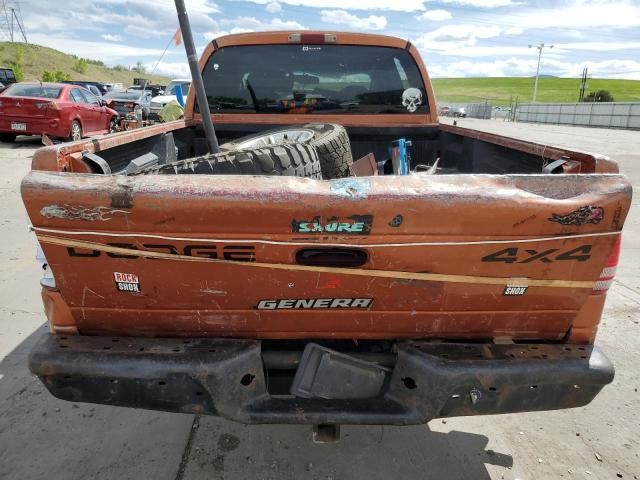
{"points": [[499, 91], [36, 59]]}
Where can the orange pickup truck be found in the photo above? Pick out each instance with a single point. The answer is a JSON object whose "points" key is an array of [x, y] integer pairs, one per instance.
{"points": [[463, 274]]}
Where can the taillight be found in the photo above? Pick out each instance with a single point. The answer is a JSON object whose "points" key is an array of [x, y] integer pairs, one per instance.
{"points": [[44, 105], [609, 271]]}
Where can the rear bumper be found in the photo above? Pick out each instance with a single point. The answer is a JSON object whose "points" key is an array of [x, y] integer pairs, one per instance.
{"points": [[226, 377], [34, 126]]}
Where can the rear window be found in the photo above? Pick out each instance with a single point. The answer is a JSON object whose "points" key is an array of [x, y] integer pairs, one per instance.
{"points": [[123, 95], [32, 90], [332, 79], [6, 74]]}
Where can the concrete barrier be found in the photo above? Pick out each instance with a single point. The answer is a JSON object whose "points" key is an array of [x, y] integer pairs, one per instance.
{"points": [[607, 115]]}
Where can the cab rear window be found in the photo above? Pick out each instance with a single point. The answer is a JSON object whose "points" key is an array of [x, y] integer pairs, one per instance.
{"points": [[331, 79]]}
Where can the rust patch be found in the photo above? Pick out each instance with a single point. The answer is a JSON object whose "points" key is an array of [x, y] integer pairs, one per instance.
{"points": [[122, 196]]}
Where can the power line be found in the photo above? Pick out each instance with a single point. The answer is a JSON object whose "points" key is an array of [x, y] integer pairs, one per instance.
{"points": [[11, 24]]}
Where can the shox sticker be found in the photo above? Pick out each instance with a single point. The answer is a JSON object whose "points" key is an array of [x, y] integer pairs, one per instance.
{"points": [[515, 290], [127, 282]]}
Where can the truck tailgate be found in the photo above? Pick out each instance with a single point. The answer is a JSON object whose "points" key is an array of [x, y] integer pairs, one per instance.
{"points": [[459, 256]]}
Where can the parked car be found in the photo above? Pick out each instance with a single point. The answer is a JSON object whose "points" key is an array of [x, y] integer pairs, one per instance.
{"points": [[97, 88], [128, 101], [156, 89], [459, 112], [7, 77], [445, 111], [55, 109], [158, 102]]}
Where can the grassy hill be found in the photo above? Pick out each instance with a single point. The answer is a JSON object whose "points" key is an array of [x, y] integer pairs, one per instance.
{"points": [[36, 59], [499, 90]]}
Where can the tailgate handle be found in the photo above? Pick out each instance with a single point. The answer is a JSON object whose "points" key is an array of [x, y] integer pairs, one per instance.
{"points": [[331, 257]]}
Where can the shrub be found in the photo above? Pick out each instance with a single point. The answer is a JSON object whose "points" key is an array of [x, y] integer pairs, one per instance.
{"points": [[61, 76], [48, 76], [80, 66], [99, 63], [599, 96]]}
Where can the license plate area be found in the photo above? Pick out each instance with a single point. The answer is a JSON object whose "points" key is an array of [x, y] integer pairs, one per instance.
{"points": [[325, 373], [18, 126]]}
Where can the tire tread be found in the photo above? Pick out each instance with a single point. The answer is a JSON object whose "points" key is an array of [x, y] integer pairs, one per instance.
{"points": [[295, 160]]}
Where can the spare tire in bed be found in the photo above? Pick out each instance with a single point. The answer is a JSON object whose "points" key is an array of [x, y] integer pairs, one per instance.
{"points": [[330, 140], [293, 159]]}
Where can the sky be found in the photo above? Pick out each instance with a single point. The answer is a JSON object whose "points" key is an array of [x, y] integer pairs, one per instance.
{"points": [[457, 38]]}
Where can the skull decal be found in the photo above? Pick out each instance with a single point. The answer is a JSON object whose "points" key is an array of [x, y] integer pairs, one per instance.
{"points": [[411, 99]]}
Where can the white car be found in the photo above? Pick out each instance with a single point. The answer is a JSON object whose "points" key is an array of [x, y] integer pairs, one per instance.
{"points": [[158, 103]]}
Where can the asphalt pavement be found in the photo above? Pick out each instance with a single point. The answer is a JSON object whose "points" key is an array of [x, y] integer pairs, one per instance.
{"points": [[42, 437]]}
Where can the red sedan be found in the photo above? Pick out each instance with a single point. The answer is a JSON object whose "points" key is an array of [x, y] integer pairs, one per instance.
{"points": [[55, 109]]}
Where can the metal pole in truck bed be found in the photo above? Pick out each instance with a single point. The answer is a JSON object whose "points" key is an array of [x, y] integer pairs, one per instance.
{"points": [[196, 76]]}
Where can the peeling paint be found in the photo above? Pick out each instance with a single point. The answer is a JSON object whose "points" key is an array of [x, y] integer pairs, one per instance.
{"points": [[78, 212], [351, 187]]}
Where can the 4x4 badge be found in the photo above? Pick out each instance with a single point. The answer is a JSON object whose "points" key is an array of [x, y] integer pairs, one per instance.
{"points": [[513, 255]]}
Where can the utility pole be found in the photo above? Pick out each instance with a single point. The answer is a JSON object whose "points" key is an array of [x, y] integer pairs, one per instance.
{"points": [[583, 85], [540, 47]]}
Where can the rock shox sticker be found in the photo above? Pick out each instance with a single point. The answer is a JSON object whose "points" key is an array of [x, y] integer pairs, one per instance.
{"points": [[127, 282], [314, 303], [515, 290]]}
